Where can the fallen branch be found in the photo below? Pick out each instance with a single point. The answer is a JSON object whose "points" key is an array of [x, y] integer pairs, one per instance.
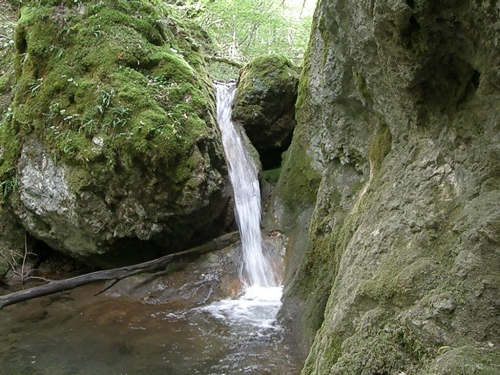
{"points": [[224, 61], [115, 274]]}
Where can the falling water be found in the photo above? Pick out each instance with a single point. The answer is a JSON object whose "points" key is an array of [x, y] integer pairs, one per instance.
{"points": [[243, 175], [56, 334]]}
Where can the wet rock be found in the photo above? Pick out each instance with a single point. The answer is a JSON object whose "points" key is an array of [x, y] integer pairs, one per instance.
{"points": [[390, 190], [188, 283], [36, 314], [265, 105]]}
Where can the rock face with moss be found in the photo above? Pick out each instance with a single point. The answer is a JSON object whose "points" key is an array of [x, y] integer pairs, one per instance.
{"points": [[12, 234], [264, 105], [391, 191], [111, 147]]}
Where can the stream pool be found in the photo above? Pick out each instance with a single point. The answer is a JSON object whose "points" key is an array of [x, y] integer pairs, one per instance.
{"points": [[76, 332]]}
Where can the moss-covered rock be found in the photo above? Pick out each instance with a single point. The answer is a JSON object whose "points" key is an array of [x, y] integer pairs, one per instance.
{"points": [[12, 234], [397, 115], [112, 138], [264, 104]]}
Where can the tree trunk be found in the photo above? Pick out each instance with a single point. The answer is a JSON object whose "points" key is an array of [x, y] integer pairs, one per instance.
{"points": [[116, 274], [224, 61]]}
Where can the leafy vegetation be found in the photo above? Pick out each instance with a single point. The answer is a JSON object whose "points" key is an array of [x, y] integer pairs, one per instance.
{"points": [[244, 29]]}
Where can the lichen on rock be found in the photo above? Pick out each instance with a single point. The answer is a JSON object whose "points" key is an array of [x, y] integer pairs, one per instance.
{"points": [[265, 105], [397, 271], [112, 105]]}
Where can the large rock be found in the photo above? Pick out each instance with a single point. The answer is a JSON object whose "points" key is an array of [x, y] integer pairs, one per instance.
{"points": [[12, 234], [390, 190], [112, 133], [265, 105]]}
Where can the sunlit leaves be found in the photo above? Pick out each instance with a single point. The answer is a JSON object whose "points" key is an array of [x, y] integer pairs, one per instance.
{"points": [[243, 29]]}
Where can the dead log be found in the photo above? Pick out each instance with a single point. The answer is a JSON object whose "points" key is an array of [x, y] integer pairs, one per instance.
{"points": [[224, 61], [115, 274]]}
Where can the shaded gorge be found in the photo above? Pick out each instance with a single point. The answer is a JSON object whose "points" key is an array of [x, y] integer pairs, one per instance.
{"points": [[213, 315]]}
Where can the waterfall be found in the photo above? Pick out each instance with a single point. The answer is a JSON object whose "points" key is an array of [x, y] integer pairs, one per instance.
{"points": [[243, 175]]}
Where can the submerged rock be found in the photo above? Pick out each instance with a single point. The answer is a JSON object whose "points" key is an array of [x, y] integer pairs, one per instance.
{"points": [[112, 140], [390, 191], [193, 282], [265, 105]]}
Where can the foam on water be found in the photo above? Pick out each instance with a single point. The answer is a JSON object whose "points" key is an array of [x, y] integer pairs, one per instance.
{"points": [[257, 308]]}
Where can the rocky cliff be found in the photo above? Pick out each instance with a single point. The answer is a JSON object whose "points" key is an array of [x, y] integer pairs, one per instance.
{"points": [[109, 147], [391, 189]]}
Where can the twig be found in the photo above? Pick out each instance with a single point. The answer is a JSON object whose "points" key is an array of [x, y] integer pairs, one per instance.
{"points": [[24, 256], [112, 283]]}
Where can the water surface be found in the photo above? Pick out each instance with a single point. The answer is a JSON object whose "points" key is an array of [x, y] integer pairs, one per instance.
{"points": [[77, 333]]}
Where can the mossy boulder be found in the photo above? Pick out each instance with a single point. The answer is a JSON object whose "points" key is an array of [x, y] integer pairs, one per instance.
{"points": [[393, 181], [12, 234], [111, 148], [265, 105]]}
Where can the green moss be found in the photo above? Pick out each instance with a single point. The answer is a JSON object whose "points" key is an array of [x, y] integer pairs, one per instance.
{"points": [[466, 360], [271, 175], [261, 79], [111, 71], [380, 146], [299, 183], [375, 354], [384, 284], [302, 108], [269, 66], [319, 24], [9, 145], [6, 83], [316, 275]]}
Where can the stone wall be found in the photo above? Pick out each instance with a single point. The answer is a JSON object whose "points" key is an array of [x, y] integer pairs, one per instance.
{"points": [[390, 190]]}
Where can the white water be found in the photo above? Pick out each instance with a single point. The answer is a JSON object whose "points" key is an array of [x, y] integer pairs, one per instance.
{"points": [[256, 269], [232, 336], [256, 309]]}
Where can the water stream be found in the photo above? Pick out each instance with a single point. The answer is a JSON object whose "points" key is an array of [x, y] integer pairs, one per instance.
{"points": [[175, 324], [77, 333], [243, 174]]}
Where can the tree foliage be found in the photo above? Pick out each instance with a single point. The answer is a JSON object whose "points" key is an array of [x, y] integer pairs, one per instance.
{"points": [[244, 29]]}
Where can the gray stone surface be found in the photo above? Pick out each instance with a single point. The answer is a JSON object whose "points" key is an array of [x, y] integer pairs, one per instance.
{"points": [[398, 118], [115, 221]]}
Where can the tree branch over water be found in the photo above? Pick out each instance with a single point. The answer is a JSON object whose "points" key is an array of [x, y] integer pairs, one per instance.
{"points": [[116, 274], [224, 60]]}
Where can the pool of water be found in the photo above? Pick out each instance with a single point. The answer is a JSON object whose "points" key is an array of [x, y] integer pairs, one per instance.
{"points": [[76, 332]]}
